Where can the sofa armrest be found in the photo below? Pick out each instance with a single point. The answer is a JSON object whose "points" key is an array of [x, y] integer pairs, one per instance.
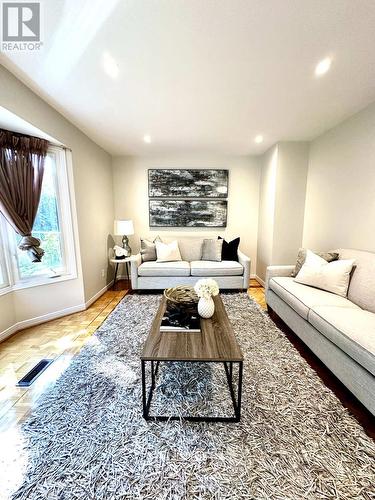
{"points": [[276, 272], [135, 262], [245, 262]]}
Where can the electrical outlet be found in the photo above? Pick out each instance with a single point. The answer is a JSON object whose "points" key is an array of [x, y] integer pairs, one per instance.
{"points": [[103, 273]]}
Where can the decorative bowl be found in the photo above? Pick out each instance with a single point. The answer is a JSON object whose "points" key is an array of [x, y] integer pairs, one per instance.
{"points": [[181, 297]]}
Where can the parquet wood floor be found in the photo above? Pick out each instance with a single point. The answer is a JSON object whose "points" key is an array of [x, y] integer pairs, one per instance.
{"points": [[256, 292]]}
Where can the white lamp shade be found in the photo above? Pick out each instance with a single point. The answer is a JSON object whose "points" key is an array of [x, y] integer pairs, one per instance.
{"points": [[124, 227]]}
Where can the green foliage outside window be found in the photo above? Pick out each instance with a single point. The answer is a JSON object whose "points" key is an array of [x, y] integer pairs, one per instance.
{"points": [[46, 228]]}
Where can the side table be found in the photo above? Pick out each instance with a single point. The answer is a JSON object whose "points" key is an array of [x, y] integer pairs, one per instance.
{"points": [[117, 262]]}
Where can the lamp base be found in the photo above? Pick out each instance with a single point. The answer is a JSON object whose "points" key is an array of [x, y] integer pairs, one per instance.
{"points": [[125, 246]]}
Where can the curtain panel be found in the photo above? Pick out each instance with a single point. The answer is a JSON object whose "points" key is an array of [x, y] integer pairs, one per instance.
{"points": [[22, 161]]}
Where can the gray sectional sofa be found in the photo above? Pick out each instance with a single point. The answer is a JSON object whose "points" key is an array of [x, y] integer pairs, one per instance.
{"points": [[340, 331], [154, 275]]}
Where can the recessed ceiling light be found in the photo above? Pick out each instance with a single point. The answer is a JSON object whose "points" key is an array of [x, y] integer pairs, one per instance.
{"points": [[258, 139], [323, 66], [147, 139], [110, 65]]}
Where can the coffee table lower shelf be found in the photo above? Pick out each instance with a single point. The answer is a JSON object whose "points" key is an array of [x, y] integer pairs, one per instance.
{"points": [[228, 366]]}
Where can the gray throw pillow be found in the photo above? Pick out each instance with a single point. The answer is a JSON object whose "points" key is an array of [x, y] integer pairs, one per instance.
{"points": [[211, 250], [148, 249], [301, 257]]}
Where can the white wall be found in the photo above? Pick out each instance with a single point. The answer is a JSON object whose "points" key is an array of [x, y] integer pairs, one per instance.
{"points": [[130, 182], [340, 200], [94, 199], [269, 163], [282, 204], [7, 312], [290, 200]]}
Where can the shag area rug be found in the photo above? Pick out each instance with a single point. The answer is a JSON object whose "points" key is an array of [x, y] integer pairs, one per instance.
{"points": [[87, 438]]}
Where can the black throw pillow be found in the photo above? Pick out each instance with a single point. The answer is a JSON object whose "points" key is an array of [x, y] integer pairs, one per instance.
{"points": [[229, 250]]}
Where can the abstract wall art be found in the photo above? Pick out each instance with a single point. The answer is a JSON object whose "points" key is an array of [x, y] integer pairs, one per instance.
{"points": [[187, 183], [188, 213]]}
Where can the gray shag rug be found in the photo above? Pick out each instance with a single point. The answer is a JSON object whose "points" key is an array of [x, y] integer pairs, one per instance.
{"points": [[87, 438]]}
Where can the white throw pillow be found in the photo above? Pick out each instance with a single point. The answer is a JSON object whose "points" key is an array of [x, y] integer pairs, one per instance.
{"points": [[167, 252], [331, 276]]}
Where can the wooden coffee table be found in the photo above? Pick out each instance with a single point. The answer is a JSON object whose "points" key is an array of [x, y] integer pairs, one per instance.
{"points": [[215, 344]]}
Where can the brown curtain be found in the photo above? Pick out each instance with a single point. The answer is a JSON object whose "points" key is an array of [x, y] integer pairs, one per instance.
{"points": [[22, 160]]}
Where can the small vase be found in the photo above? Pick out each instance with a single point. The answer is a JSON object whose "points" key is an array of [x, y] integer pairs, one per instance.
{"points": [[206, 307]]}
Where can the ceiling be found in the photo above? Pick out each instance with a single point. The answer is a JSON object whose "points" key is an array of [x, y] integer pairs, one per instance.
{"points": [[202, 75]]}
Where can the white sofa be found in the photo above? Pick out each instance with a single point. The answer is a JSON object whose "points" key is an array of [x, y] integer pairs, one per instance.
{"points": [[154, 275], [340, 331]]}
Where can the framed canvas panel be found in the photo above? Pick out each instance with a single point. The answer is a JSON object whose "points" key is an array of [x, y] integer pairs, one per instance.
{"points": [[188, 213], [187, 183]]}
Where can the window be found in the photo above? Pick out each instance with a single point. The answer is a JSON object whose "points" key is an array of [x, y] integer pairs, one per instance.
{"points": [[52, 226], [46, 228]]}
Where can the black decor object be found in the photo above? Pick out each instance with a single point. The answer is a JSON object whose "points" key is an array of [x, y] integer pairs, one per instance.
{"points": [[230, 250], [188, 213], [34, 373], [180, 319], [187, 183]]}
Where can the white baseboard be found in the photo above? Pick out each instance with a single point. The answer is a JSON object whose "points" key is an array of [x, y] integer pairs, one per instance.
{"points": [[8, 332], [98, 294], [259, 280], [27, 323]]}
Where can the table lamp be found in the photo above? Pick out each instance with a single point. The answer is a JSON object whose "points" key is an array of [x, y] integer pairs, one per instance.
{"points": [[124, 228]]}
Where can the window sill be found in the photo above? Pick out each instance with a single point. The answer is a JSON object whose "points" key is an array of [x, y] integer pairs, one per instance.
{"points": [[42, 281]]}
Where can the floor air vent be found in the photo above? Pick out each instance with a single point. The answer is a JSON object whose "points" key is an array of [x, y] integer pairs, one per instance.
{"points": [[34, 373]]}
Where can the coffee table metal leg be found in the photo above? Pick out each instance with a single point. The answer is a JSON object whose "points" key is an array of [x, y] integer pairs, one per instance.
{"points": [[143, 366], [152, 375], [229, 374], [154, 372], [146, 399], [156, 368], [239, 393]]}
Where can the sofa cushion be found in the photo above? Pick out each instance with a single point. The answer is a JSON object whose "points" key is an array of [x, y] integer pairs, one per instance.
{"points": [[301, 257], [179, 268], [352, 330], [230, 249], [167, 252], [362, 284], [210, 268], [148, 249], [211, 250], [330, 276], [302, 298], [190, 248]]}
